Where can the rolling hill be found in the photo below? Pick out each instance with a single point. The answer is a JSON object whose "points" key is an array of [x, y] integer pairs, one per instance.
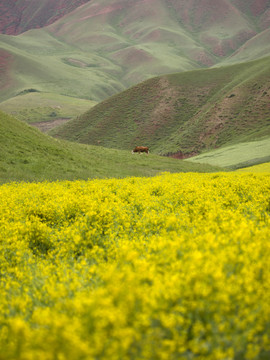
{"points": [[103, 47], [182, 114], [28, 155], [45, 108]]}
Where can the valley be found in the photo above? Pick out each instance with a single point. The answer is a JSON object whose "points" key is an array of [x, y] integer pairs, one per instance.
{"points": [[179, 77], [182, 114]]}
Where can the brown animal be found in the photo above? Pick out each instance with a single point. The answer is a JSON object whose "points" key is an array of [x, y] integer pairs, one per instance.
{"points": [[140, 149]]}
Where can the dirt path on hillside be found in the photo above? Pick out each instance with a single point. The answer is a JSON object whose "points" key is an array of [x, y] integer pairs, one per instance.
{"points": [[45, 126]]}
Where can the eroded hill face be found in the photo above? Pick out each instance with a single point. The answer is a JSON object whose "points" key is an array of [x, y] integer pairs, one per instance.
{"points": [[255, 8], [5, 63], [182, 114], [220, 26], [18, 16]]}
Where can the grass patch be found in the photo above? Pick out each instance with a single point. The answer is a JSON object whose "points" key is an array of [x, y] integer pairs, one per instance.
{"points": [[28, 155], [237, 156]]}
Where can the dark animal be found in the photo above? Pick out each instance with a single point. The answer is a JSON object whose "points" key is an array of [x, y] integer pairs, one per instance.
{"points": [[140, 149]]}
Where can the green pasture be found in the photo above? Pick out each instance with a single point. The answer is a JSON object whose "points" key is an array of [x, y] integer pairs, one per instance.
{"points": [[242, 155], [83, 67]]}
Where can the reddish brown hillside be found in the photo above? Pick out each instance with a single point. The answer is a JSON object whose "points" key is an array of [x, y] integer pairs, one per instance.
{"points": [[181, 114], [17, 16], [221, 24], [255, 7], [259, 9]]}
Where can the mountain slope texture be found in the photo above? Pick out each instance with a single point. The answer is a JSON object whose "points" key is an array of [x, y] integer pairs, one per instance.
{"points": [[18, 16], [182, 114]]}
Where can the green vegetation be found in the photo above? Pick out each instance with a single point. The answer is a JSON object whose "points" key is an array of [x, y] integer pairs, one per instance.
{"points": [[237, 156], [255, 48], [182, 113], [39, 61], [28, 155], [36, 106]]}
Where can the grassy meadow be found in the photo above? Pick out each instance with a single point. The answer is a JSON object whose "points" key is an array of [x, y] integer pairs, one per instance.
{"points": [[170, 267], [241, 155], [28, 155]]}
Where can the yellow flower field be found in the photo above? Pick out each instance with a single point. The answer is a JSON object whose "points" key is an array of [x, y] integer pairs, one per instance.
{"points": [[171, 267], [264, 167]]}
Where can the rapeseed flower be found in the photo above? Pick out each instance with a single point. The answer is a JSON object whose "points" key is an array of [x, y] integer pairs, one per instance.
{"points": [[171, 267]]}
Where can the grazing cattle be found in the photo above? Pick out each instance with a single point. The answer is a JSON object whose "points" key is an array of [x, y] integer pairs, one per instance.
{"points": [[140, 149]]}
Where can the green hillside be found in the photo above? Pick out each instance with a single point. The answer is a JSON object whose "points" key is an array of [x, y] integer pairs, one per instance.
{"points": [[28, 155], [182, 114], [40, 62], [36, 107], [254, 48]]}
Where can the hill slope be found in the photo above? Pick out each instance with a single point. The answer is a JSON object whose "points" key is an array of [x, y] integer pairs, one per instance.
{"points": [[38, 61], [254, 48], [28, 155], [18, 16], [105, 46], [182, 114], [43, 108]]}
